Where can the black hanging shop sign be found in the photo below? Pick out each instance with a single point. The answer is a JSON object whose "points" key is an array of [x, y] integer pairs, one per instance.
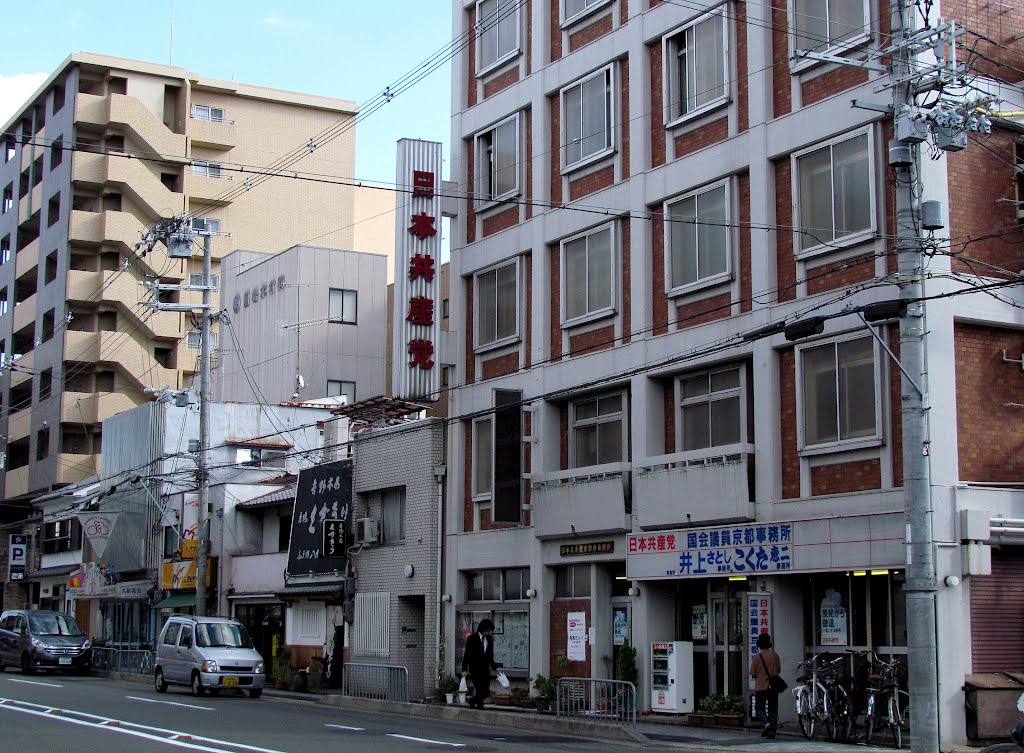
{"points": [[321, 519]]}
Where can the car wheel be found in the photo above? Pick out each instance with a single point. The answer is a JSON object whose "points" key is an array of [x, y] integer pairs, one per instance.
{"points": [[197, 685], [159, 681], [255, 692], [26, 664]]}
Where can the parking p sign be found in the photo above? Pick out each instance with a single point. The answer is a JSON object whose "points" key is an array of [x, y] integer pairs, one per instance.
{"points": [[17, 556]]}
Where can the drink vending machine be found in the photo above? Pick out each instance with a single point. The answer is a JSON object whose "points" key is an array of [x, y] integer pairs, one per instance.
{"points": [[672, 677]]}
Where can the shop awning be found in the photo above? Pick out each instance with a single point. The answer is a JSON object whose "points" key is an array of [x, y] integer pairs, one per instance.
{"points": [[326, 591], [269, 500], [177, 600], [49, 572]]}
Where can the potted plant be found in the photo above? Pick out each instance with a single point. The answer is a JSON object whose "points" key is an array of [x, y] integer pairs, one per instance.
{"points": [[521, 698], [626, 671], [446, 686], [281, 665], [547, 691], [731, 711]]}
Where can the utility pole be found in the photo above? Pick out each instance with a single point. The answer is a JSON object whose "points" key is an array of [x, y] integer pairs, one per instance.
{"points": [[179, 235]]}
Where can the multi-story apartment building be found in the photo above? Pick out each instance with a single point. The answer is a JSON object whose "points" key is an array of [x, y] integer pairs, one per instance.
{"points": [[652, 184], [100, 153]]}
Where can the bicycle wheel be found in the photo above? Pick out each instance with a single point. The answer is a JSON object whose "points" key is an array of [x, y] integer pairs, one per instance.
{"points": [[805, 714], [870, 719], [894, 723], [830, 715], [848, 719]]}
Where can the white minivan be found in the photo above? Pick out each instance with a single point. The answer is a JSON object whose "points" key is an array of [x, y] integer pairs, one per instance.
{"points": [[207, 654]]}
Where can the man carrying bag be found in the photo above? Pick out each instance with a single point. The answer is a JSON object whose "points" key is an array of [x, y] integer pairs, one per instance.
{"points": [[478, 661]]}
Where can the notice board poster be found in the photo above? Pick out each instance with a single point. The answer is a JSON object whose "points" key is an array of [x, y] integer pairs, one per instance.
{"points": [[323, 501]]}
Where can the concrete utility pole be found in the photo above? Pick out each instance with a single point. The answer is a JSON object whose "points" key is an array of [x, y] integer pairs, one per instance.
{"points": [[203, 553], [920, 579]]}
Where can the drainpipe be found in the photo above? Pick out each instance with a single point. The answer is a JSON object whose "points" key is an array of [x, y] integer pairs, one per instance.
{"points": [[440, 473]]}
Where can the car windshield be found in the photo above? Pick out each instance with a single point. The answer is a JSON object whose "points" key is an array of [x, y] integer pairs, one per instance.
{"points": [[222, 635], [53, 624]]}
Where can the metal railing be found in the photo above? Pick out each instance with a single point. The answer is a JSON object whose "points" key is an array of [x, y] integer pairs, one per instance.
{"points": [[135, 661], [385, 682], [612, 701]]}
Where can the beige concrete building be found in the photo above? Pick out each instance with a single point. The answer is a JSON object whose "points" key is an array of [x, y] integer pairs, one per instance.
{"points": [[104, 149]]}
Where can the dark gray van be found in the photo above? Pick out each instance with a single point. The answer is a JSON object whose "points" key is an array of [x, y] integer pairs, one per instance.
{"points": [[38, 639]]}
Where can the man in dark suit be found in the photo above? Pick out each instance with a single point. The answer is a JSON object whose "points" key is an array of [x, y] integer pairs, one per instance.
{"points": [[478, 661]]}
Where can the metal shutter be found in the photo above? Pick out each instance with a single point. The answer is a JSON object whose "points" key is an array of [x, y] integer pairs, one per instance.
{"points": [[997, 630]]}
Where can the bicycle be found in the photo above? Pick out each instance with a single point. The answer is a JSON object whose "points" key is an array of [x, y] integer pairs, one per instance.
{"points": [[887, 703], [811, 697], [839, 702]]}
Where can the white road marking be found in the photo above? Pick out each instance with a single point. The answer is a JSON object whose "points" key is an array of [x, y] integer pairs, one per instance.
{"points": [[35, 682], [172, 737], [426, 740], [342, 726], [171, 703]]}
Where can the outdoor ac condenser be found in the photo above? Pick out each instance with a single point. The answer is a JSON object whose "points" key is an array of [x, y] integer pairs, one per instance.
{"points": [[366, 531]]}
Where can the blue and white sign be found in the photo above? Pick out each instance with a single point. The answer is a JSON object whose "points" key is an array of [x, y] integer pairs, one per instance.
{"points": [[750, 549], [17, 557]]}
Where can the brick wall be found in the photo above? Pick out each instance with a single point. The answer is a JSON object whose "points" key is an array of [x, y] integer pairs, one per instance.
{"points": [[657, 108], [591, 183], [592, 341], [831, 83], [700, 138], [983, 207], [781, 94], [989, 435], [527, 119], [745, 260], [503, 220], [627, 277], [558, 632], [556, 148], [840, 274], [555, 29], [471, 56], [741, 66], [623, 128], [470, 326], [504, 81], [703, 311], [556, 306], [500, 366], [999, 22], [588, 34], [670, 417], [787, 425], [659, 303], [528, 319], [784, 261], [528, 9], [856, 476]]}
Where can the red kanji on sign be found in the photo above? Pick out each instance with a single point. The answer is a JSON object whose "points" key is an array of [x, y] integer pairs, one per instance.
{"points": [[421, 352], [421, 266], [422, 226], [422, 183], [421, 311]]}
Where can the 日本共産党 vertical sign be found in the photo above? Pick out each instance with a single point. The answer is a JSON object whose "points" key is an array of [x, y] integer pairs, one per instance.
{"points": [[320, 520], [759, 617], [416, 369]]}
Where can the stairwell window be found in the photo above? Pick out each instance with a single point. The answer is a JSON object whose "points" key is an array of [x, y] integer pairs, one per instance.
{"points": [[483, 446], [342, 306], [205, 112], [698, 239], [839, 387], [696, 66], [588, 280], [342, 388], [206, 225], [598, 430], [8, 200], [497, 27], [497, 309], [197, 279], [824, 25], [587, 119], [497, 160], [207, 169], [392, 515], [836, 194], [195, 339]]}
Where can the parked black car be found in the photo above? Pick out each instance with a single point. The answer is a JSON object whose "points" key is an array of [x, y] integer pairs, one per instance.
{"points": [[36, 639]]}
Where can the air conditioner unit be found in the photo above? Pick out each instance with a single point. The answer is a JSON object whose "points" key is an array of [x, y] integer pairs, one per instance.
{"points": [[366, 531]]}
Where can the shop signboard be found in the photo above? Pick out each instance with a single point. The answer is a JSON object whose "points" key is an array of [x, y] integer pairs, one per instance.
{"points": [[833, 626], [17, 557], [181, 575], [323, 501], [576, 623], [699, 622]]}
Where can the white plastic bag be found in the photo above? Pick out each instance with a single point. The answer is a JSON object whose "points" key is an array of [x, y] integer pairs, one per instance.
{"points": [[463, 687], [502, 680]]}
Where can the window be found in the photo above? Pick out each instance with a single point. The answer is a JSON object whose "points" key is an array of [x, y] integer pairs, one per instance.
{"points": [[45, 384], [572, 582], [587, 274], [8, 200], [483, 442], [58, 98], [53, 210], [185, 641], [712, 406], [49, 321], [259, 457], [517, 583], [284, 530], [507, 476], [695, 59], [587, 118], [56, 152], [43, 444], [171, 634], [10, 149], [195, 339], [574, 8], [197, 279], [5, 249], [497, 162], [206, 225], [838, 381], [821, 24], [204, 112], [698, 238], [598, 431], [483, 585], [206, 169], [836, 194], [497, 316], [392, 514], [342, 306], [341, 388], [498, 29], [62, 536], [50, 271], [171, 545]]}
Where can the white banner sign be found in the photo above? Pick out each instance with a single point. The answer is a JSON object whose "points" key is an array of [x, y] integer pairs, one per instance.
{"points": [[577, 631], [833, 626], [97, 527]]}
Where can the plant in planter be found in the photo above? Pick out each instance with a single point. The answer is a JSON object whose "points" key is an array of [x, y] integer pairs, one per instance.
{"points": [[521, 698], [446, 686], [547, 691], [281, 666], [726, 710], [625, 669]]}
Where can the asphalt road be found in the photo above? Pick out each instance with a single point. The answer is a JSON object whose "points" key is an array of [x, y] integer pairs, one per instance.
{"points": [[57, 714]]}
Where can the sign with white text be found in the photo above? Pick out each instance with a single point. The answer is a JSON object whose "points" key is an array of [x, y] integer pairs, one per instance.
{"points": [[576, 623], [323, 501], [17, 557]]}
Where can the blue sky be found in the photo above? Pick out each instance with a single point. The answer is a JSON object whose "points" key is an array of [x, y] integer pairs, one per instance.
{"points": [[351, 49]]}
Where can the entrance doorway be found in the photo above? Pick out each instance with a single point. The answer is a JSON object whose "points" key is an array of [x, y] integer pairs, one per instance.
{"points": [[725, 646], [263, 622]]}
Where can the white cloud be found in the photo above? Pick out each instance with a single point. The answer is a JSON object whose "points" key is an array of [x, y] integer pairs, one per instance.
{"points": [[15, 90], [276, 19]]}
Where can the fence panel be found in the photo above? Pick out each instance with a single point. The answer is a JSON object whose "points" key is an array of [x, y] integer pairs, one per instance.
{"points": [[382, 681], [611, 701], [133, 661]]}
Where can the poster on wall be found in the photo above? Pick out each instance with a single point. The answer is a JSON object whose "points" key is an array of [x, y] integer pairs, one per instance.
{"points": [[511, 644], [620, 625], [759, 615], [324, 493], [833, 619], [699, 622], [576, 623]]}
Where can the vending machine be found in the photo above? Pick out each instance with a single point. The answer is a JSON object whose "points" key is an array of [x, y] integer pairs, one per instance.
{"points": [[672, 677]]}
